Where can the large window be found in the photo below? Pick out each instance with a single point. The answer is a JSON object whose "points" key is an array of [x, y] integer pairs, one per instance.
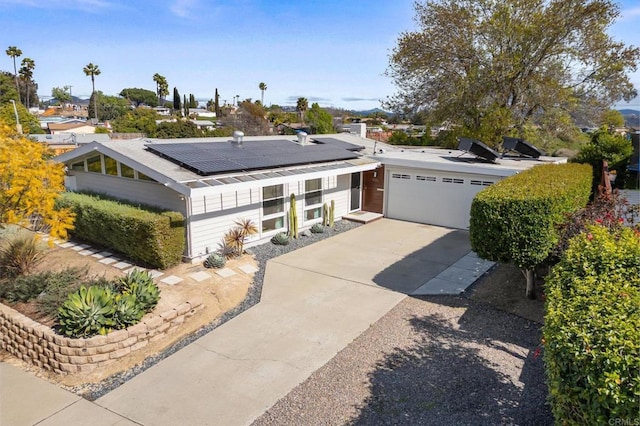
{"points": [[126, 171], [110, 166], [272, 208], [94, 164], [312, 199]]}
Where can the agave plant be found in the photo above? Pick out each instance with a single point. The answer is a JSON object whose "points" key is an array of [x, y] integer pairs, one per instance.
{"points": [[87, 312], [280, 239], [215, 260], [317, 228], [147, 295], [136, 276], [127, 311]]}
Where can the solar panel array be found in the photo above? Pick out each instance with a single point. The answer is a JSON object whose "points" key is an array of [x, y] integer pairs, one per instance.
{"points": [[208, 158]]}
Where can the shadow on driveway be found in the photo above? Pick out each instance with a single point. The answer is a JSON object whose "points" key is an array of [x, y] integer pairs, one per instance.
{"points": [[415, 269], [478, 368]]}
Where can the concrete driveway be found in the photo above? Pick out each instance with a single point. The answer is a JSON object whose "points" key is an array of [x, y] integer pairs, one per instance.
{"points": [[315, 301]]}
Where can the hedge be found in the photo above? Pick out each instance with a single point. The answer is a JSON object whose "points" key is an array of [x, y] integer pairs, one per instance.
{"points": [[515, 220], [592, 338], [155, 238]]}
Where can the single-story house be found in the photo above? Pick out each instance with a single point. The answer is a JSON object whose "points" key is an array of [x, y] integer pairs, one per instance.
{"points": [[215, 181], [71, 127]]}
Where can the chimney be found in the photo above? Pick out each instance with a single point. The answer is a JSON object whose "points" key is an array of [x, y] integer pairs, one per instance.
{"points": [[302, 138], [237, 137]]}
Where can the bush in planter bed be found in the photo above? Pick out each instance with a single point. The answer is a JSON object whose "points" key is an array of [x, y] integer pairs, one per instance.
{"points": [[592, 338]]}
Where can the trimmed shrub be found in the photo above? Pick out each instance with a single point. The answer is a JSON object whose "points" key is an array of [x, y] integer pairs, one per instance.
{"points": [[516, 220], [592, 338], [156, 238]]}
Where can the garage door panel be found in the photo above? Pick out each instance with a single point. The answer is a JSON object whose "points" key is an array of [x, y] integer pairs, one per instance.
{"points": [[437, 198]]}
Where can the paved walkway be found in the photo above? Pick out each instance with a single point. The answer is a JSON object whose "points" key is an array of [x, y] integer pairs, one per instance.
{"points": [[315, 301]]}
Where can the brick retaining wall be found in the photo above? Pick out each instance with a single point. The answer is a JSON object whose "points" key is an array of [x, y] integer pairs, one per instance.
{"points": [[41, 346]]}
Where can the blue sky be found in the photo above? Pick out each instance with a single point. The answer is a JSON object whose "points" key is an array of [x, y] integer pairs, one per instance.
{"points": [[331, 52]]}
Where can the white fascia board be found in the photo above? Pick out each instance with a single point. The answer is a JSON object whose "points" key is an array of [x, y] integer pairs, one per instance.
{"points": [[446, 166], [218, 189]]}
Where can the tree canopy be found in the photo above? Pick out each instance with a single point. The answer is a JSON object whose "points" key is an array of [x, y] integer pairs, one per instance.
{"points": [[30, 184], [140, 96], [492, 66], [319, 120], [61, 94], [109, 107], [29, 122]]}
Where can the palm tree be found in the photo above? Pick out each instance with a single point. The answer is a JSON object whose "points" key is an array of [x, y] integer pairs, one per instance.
{"points": [[14, 52], [93, 70], [302, 106], [162, 87], [262, 87], [26, 74]]}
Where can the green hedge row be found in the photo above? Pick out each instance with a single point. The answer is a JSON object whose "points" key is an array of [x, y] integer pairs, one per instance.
{"points": [[592, 329], [155, 238], [514, 221]]}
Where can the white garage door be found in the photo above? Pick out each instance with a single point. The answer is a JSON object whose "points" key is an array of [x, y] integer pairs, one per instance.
{"points": [[433, 197]]}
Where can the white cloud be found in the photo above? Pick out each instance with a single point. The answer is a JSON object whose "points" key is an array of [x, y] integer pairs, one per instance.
{"points": [[631, 13], [183, 8]]}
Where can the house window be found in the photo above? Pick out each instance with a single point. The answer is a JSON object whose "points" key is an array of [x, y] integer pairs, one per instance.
{"points": [[400, 176], [110, 166], [272, 208], [126, 171], [312, 199], [142, 176], [78, 166], [94, 164]]}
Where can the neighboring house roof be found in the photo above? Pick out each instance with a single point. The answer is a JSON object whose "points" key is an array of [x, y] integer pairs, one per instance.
{"points": [[165, 169], [72, 138], [82, 127]]}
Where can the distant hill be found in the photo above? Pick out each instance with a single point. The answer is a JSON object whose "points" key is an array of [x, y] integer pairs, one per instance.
{"points": [[631, 117], [629, 111]]}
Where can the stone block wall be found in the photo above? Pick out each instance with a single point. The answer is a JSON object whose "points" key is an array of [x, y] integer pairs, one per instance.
{"points": [[40, 345]]}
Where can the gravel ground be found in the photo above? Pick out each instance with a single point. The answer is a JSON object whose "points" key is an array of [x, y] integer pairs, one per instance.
{"points": [[262, 254], [429, 361]]}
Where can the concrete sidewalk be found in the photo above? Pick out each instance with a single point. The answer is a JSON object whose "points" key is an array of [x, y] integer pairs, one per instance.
{"points": [[315, 301]]}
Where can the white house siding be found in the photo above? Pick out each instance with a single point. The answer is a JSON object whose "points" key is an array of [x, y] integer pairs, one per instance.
{"points": [[432, 197], [340, 194], [138, 191]]}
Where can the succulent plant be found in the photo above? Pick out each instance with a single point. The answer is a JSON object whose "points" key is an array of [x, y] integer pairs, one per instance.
{"points": [[127, 311], [317, 228], [87, 312], [215, 260], [147, 295], [136, 276], [280, 239]]}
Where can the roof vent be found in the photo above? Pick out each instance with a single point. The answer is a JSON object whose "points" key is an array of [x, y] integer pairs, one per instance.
{"points": [[237, 137], [302, 138]]}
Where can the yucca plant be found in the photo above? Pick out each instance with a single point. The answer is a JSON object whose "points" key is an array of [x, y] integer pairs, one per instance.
{"points": [[20, 254], [87, 312], [247, 228], [227, 250], [235, 238]]}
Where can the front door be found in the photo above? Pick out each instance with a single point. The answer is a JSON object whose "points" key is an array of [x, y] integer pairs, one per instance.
{"points": [[373, 190]]}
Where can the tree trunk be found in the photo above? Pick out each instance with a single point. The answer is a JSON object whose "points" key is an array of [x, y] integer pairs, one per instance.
{"points": [[531, 283]]}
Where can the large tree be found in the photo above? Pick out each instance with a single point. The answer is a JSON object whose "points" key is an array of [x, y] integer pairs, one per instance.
{"points": [[92, 70], [491, 66], [302, 105], [14, 52], [108, 107], [8, 88], [28, 85], [162, 87], [140, 96], [30, 184], [319, 120], [262, 86], [61, 94]]}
